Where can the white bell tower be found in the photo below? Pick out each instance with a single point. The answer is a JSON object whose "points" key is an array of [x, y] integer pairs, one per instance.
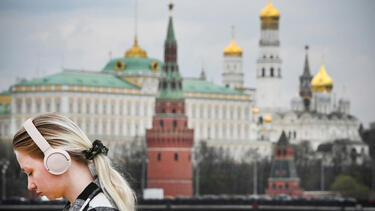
{"points": [[232, 75], [268, 73]]}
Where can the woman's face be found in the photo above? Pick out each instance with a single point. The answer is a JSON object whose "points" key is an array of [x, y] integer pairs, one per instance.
{"points": [[38, 178]]}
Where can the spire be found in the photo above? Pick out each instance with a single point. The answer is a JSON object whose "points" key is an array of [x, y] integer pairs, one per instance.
{"points": [[283, 140], [170, 34], [203, 74], [170, 83], [306, 69]]}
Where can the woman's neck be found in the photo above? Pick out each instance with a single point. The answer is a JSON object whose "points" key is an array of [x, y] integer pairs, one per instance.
{"points": [[78, 178]]}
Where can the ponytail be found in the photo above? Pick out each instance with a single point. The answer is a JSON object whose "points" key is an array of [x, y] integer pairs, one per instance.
{"points": [[114, 184]]}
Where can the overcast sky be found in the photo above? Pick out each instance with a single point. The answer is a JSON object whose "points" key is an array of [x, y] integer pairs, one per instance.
{"points": [[41, 37]]}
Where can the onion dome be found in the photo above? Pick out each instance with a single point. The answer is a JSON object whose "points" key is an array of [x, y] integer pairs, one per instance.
{"points": [[268, 119], [269, 12], [233, 50], [322, 82], [255, 110], [136, 51]]}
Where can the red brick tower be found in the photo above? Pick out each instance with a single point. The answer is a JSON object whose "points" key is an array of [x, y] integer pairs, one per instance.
{"points": [[170, 141], [284, 179]]}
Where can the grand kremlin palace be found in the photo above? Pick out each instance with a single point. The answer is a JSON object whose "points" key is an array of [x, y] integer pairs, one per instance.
{"points": [[116, 104]]}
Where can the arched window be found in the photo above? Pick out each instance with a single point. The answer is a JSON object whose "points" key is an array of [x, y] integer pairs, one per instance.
{"points": [[175, 156], [161, 124], [174, 124], [159, 156], [271, 71]]}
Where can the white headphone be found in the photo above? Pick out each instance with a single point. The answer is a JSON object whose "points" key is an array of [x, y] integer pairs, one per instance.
{"points": [[56, 161]]}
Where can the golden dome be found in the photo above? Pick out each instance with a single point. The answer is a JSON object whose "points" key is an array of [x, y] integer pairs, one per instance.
{"points": [[322, 82], [136, 51], [233, 50], [269, 11], [255, 110], [268, 119]]}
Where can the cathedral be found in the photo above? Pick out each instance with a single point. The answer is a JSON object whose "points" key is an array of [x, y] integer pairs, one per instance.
{"points": [[117, 103]]}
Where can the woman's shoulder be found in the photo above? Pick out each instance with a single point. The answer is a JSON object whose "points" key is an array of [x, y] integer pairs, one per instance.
{"points": [[101, 202]]}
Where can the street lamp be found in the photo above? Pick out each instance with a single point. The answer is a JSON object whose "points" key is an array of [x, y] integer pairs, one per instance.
{"points": [[196, 161], [3, 172], [255, 178]]}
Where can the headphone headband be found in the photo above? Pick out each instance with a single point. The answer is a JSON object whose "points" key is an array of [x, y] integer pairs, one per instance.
{"points": [[36, 136]]}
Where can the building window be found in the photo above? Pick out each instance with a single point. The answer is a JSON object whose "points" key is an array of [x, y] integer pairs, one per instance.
{"points": [[274, 186], [48, 106], [88, 126], [175, 156], [145, 109], [104, 107], [87, 107], [95, 127], [113, 108], [38, 106], [79, 107], [161, 124], [71, 105], [271, 71], [201, 112], [159, 156], [28, 106], [58, 106], [104, 132], [217, 112], [137, 109], [193, 111], [129, 108], [279, 72], [19, 106], [97, 107], [286, 186], [174, 124], [112, 126], [263, 72]]}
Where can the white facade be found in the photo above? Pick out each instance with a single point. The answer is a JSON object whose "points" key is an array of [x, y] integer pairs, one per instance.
{"points": [[233, 72], [268, 72]]}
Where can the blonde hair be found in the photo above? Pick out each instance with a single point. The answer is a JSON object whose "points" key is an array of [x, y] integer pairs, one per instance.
{"points": [[62, 133]]}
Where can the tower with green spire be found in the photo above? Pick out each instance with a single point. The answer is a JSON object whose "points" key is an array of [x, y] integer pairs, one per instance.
{"points": [[170, 83], [170, 141]]}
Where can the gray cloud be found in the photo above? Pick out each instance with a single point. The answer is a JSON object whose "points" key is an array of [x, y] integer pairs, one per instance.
{"points": [[39, 38]]}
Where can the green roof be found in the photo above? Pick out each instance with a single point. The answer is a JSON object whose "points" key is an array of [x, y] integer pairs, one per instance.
{"points": [[7, 92], [132, 64], [202, 86], [81, 79]]}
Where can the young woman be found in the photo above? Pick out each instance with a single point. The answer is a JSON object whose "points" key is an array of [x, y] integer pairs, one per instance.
{"points": [[60, 160]]}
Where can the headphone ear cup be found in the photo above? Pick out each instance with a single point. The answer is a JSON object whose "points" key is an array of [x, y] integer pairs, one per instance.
{"points": [[57, 161]]}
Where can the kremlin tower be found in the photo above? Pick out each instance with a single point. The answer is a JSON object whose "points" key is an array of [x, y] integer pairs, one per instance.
{"points": [[284, 179], [268, 76], [169, 141], [305, 83], [233, 74]]}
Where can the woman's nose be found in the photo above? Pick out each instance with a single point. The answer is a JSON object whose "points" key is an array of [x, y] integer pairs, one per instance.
{"points": [[30, 185]]}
